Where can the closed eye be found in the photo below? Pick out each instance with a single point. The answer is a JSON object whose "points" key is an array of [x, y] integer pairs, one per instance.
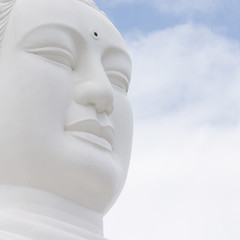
{"points": [[56, 55], [118, 80]]}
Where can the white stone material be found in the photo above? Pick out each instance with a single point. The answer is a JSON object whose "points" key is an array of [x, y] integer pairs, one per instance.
{"points": [[34, 214], [66, 121]]}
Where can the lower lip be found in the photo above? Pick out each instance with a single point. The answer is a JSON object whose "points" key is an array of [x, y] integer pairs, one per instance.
{"points": [[92, 138]]}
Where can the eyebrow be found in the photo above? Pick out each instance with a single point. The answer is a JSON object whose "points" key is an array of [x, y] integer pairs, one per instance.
{"points": [[114, 51], [69, 31], [70, 38], [55, 26], [125, 55]]}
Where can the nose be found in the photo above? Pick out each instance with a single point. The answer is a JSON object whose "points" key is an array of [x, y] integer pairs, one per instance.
{"points": [[97, 92]]}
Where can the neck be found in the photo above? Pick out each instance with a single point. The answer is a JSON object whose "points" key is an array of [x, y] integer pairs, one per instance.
{"points": [[31, 214]]}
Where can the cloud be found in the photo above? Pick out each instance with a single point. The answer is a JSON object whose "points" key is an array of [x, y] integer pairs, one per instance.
{"points": [[182, 185], [184, 70], [184, 180]]}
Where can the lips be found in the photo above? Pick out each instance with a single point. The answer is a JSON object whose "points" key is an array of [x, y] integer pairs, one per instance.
{"points": [[91, 131]]}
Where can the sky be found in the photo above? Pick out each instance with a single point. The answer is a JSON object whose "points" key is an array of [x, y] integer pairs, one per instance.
{"points": [[184, 176]]}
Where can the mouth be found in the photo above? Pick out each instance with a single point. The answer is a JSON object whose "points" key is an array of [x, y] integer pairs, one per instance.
{"points": [[91, 131]]}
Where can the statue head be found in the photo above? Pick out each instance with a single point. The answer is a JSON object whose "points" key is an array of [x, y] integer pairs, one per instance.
{"points": [[66, 122]]}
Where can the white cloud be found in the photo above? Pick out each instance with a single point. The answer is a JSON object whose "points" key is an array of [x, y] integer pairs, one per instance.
{"points": [[184, 186], [186, 69], [184, 180]]}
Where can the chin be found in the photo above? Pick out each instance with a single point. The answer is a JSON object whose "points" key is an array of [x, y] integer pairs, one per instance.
{"points": [[84, 183], [90, 176], [87, 175]]}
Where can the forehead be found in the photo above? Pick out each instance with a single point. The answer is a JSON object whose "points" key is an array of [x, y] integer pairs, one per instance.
{"points": [[73, 14]]}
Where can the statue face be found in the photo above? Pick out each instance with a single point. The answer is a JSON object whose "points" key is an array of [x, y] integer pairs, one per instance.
{"points": [[66, 122]]}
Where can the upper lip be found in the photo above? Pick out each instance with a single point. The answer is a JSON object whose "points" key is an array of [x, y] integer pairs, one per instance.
{"points": [[94, 127]]}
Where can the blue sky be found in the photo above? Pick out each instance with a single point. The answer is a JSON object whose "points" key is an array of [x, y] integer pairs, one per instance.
{"points": [[221, 16], [184, 176]]}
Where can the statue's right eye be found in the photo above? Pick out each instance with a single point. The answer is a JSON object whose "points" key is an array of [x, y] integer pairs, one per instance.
{"points": [[55, 55]]}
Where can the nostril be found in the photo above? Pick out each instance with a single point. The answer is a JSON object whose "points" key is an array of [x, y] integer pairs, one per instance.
{"points": [[98, 96], [104, 103], [110, 110], [100, 108]]}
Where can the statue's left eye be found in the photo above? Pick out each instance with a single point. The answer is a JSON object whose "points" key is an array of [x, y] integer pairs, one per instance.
{"points": [[56, 55], [118, 80]]}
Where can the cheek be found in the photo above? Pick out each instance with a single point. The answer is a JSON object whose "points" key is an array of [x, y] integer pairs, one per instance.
{"points": [[123, 124], [38, 89]]}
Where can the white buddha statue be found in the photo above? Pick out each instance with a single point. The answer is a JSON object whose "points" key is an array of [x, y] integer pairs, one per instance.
{"points": [[65, 122]]}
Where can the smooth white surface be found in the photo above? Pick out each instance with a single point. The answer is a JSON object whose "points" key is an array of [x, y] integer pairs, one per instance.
{"points": [[36, 214], [66, 122]]}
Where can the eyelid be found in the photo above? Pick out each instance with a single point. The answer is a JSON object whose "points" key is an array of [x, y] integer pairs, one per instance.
{"points": [[120, 77], [56, 51]]}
